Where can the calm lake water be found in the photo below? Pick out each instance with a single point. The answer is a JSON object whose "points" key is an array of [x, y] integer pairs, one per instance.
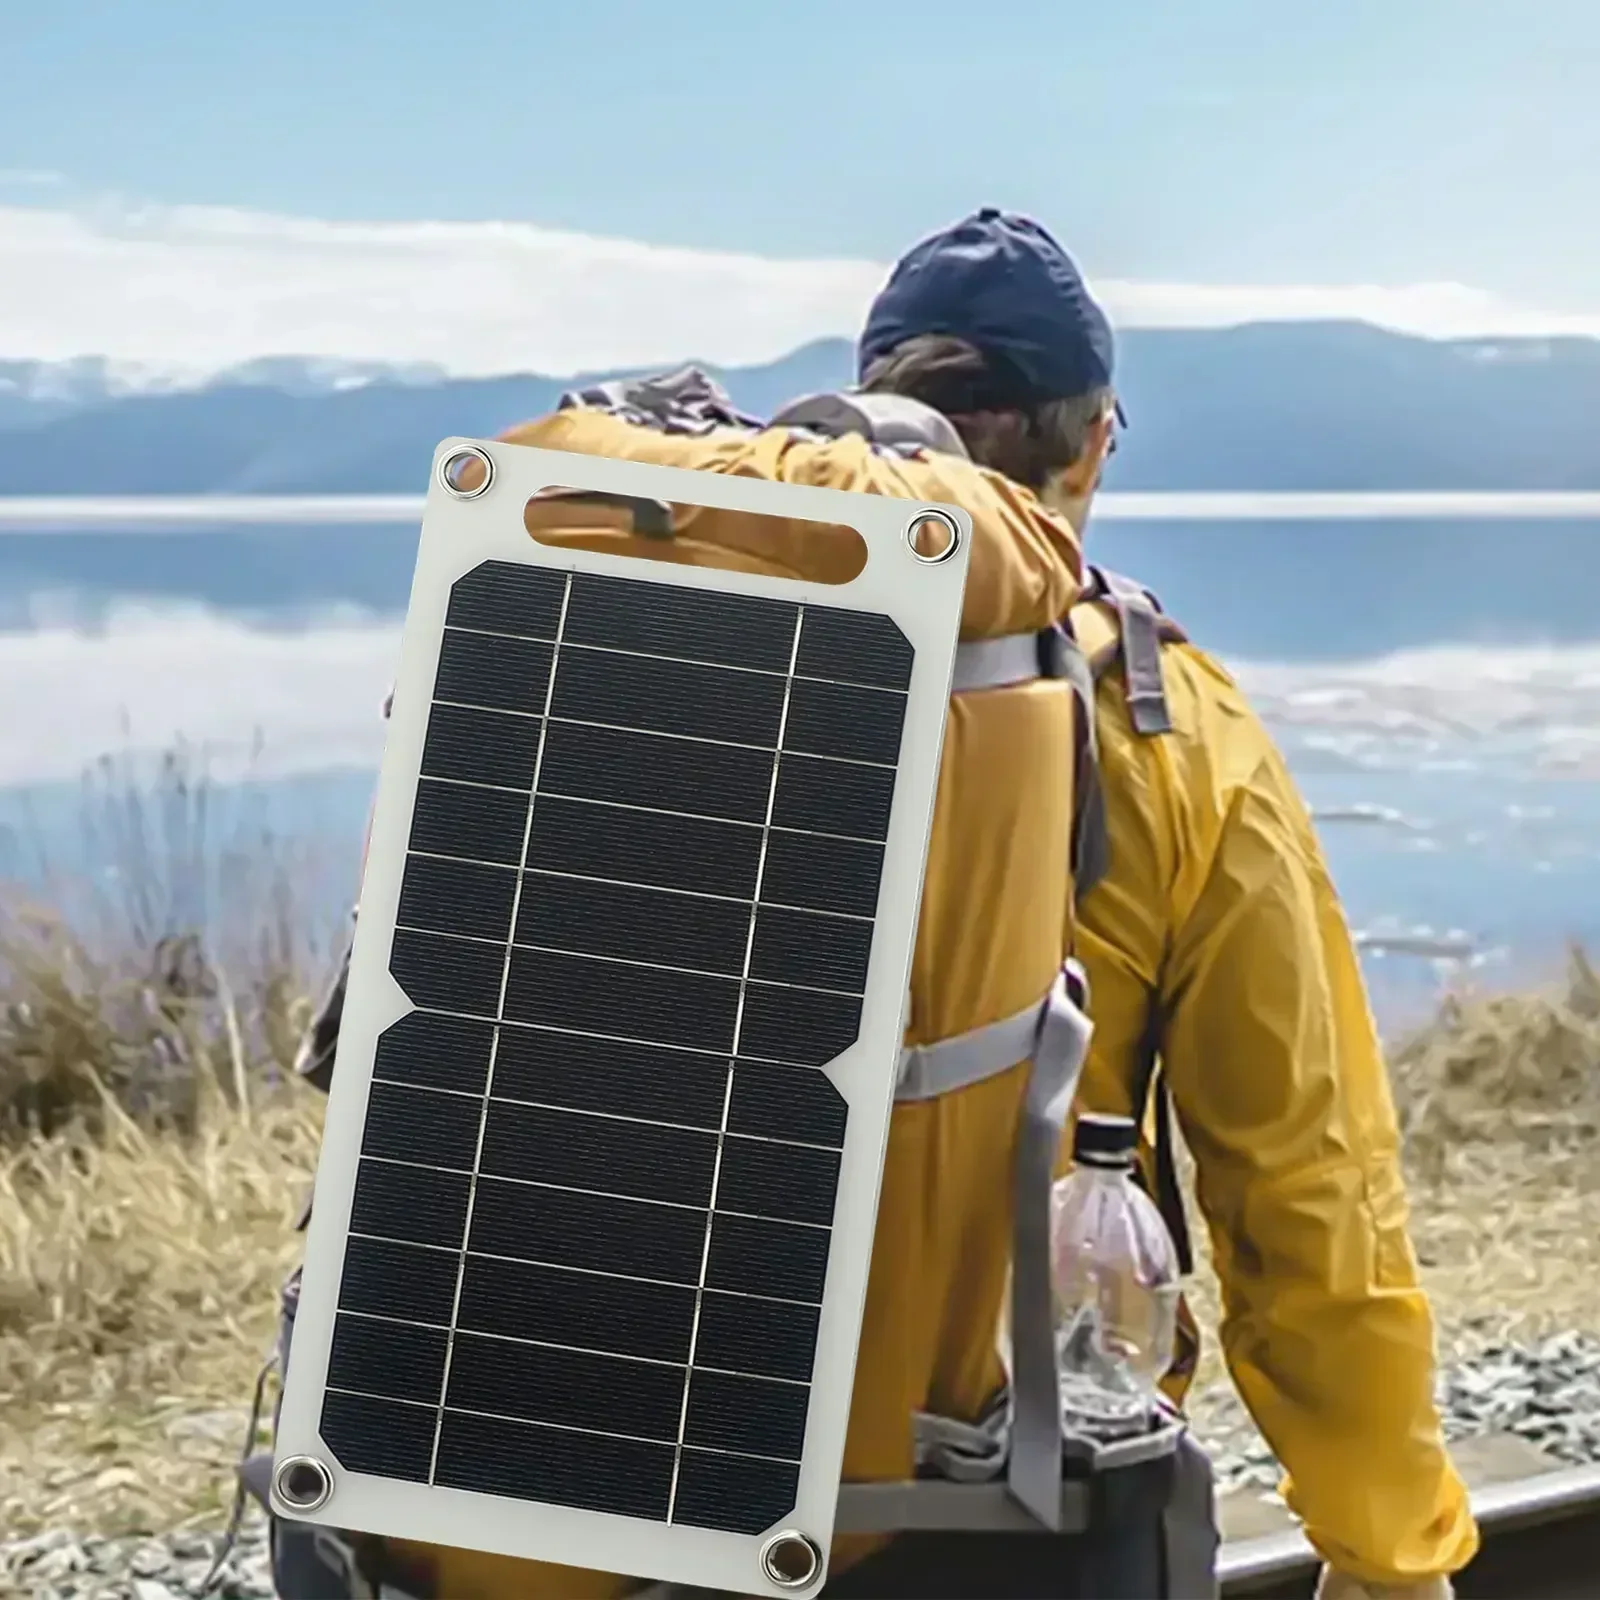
{"points": [[1442, 711]]}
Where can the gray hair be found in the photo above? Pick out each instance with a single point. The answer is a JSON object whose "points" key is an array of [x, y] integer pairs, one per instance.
{"points": [[1029, 443]]}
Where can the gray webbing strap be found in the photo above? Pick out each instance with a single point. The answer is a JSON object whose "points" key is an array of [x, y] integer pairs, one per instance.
{"points": [[957, 1487], [926, 1505], [995, 663], [930, 1070], [1142, 628], [1055, 1034], [1189, 1527], [891, 421], [1034, 1469], [964, 1452], [1091, 838]]}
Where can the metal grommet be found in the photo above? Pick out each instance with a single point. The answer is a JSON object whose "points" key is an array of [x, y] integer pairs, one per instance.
{"points": [[932, 536], [790, 1559], [302, 1483], [466, 473]]}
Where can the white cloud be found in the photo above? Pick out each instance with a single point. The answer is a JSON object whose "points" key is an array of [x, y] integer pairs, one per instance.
{"points": [[200, 288], [194, 289]]}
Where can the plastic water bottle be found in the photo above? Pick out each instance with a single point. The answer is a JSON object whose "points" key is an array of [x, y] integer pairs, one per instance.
{"points": [[1115, 1273]]}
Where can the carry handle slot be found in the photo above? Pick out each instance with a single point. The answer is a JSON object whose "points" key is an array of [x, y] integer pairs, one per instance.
{"points": [[643, 528], [555, 508]]}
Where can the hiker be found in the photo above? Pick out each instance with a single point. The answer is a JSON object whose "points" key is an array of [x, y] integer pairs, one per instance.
{"points": [[1221, 969], [995, 1035]]}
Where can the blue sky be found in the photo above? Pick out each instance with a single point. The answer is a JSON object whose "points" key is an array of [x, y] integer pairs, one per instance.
{"points": [[1235, 141], [560, 185]]}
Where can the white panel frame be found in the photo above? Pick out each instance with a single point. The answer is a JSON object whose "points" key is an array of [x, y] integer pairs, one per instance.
{"points": [[925, 601]]}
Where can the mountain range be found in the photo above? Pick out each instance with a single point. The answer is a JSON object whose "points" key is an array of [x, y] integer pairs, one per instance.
{"points": [[1269, 407], [1263, 407]]}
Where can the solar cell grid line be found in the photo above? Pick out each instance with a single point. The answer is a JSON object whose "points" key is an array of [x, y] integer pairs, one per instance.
{"points": [[494, 1046], [738, 1024]]}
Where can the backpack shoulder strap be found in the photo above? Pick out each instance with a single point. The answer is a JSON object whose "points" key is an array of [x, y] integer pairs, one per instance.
{"points": [[1091, 839], [1119, 620], [1142, 628], [1115, 620], [890, 421]]}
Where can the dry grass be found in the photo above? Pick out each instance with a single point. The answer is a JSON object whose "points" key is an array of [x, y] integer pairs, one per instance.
{"points": [[154, 1150], [138, 1275], [1500, 1100], [153, 1153]]}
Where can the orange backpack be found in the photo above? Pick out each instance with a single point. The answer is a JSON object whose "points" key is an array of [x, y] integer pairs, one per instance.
{"points": [[996, 1029]]}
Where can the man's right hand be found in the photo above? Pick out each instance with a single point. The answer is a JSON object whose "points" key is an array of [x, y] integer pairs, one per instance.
{"points": [[1341, 1586]]}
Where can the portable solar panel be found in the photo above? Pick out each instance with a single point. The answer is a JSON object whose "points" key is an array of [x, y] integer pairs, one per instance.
{"points": [[601, 1163]]}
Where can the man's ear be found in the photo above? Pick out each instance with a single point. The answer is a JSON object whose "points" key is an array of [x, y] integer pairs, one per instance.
{"points": [[1083, 476], [1070, 491]]}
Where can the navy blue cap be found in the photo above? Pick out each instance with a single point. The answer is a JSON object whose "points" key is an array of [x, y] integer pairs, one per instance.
{"points": [[1000, 282]]}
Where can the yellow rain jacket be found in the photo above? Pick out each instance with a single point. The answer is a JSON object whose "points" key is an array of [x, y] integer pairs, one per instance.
{"points": [[991, 939], [1217, 937]]}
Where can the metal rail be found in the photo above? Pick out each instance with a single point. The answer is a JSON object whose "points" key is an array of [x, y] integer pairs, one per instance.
{"points": [[1249, 1565], [47, 514]]}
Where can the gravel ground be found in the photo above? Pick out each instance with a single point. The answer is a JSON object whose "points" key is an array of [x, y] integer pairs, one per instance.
{"points": [[1547, 1393], [62, 1565]]}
